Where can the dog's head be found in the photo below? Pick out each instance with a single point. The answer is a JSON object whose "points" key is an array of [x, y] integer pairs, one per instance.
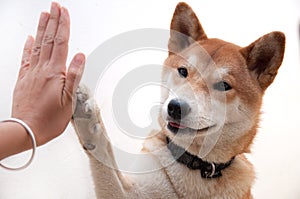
{"points": [[215, 87]]}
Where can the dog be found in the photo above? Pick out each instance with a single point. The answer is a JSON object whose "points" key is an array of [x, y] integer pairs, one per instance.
{"points": [[207, 126]]}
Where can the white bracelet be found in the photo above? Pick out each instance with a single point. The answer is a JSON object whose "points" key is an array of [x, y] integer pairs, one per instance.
{"points": [[29, 131]]}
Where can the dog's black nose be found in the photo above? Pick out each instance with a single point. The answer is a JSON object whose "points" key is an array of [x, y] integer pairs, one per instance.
{"points": [[178, 109]]}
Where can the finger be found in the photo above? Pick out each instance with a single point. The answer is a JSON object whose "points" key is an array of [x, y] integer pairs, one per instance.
{"points": [[60, 48], [27, 50], [74, 75], [49, 35], [38, 38]]}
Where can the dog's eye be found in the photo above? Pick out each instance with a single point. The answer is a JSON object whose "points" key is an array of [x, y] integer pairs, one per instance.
{"points": [[222, 86], [183, 72]]}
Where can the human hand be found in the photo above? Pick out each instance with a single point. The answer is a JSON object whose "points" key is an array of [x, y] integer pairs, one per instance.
{"points": [[44, 91]]}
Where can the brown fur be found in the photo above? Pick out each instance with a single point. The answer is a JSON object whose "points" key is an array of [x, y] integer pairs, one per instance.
{"points": [[249, 70]]}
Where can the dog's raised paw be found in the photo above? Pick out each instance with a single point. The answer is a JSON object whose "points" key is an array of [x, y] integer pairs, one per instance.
{"points": [[84, 103], [85, 118]]}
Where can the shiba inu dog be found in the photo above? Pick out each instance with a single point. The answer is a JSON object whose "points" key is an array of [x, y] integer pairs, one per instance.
{"points": [[208, 121]]}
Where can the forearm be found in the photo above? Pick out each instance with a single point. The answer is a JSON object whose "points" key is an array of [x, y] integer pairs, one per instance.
{"points": [[13, 139]]}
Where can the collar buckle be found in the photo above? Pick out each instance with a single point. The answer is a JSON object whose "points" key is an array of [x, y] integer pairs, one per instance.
{"points": [[213, 170], [210, 171]]}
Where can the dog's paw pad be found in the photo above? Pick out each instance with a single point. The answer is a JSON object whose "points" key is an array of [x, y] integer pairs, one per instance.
{"points": [[88, 146], [96, 128]]}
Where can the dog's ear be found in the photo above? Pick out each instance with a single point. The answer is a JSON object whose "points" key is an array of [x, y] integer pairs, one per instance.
{"points": [[185, 28], [264, 57]]}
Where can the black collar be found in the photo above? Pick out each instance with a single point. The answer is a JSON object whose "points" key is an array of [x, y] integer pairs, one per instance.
{"points": [[207, 169]]}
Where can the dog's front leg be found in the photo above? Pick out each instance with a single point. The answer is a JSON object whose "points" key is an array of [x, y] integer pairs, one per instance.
{"points": [[109, 182]]}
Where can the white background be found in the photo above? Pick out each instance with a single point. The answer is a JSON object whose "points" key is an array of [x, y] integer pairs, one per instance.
{"points": [[61, 170]]}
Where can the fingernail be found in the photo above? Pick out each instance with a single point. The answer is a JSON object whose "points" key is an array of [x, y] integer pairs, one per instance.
{"points": [[29, 41], [29, 38], [79, 59], [54, 7], [63, 10], [44, 16]]}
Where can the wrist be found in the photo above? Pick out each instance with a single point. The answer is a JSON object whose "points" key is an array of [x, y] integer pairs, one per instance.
{"points": [[14, 138], [32, 124]]}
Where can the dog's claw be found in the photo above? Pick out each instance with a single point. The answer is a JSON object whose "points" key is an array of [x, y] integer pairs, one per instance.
{"points": [[88, 106]]}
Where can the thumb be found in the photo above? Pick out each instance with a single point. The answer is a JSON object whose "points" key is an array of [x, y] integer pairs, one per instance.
{"points": [[75, 72]]}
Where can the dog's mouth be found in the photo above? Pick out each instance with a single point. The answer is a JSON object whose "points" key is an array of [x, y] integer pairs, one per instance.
{"points": [[176, 127]]}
